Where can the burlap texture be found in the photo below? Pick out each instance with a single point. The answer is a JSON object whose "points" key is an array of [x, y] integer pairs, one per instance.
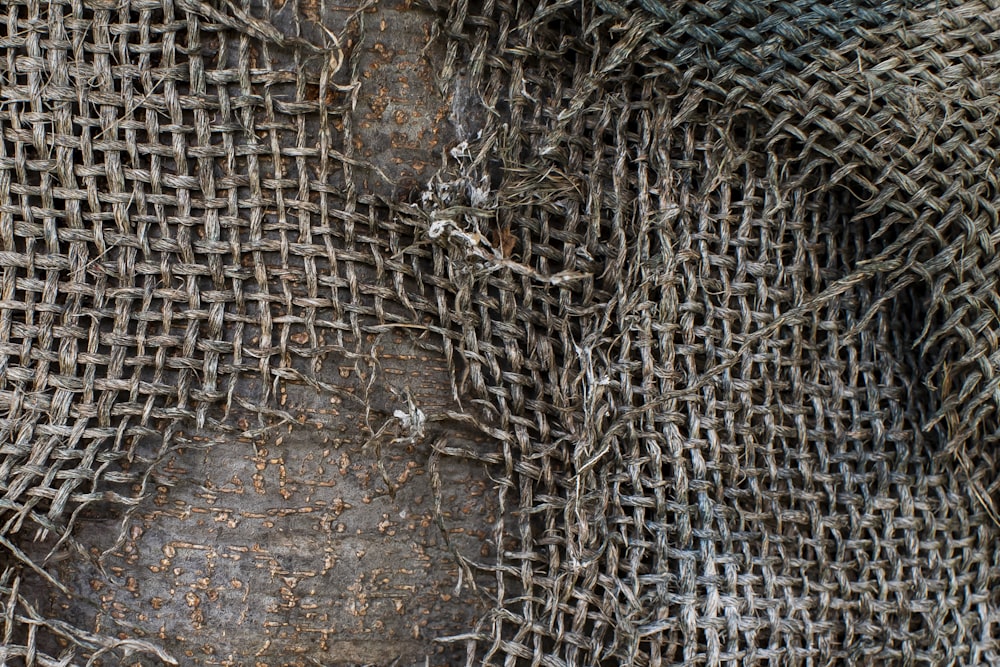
{"points": [[718, 279]]}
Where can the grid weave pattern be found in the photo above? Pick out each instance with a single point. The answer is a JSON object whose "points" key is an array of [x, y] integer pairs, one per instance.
{"points": [[718, 278], [177, 212], [744, 370]]}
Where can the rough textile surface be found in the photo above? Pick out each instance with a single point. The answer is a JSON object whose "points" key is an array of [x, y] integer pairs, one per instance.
{"points": [[719, 280]]}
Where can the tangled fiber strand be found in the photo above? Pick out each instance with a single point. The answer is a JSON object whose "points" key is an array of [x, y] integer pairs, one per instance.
{"points": [[717, 278], [757, 426]]}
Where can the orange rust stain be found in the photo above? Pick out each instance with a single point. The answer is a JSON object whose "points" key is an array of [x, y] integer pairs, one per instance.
{"points": [[311, 9]]}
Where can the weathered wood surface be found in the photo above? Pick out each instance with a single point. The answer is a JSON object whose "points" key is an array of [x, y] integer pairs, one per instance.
{"points": [[287, 549]]}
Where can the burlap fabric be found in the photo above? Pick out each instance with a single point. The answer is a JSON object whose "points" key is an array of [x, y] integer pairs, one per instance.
{"points": [[718, 279]]}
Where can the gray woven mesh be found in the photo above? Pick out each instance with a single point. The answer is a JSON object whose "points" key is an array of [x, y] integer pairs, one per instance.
{"points": [[718, 281]]}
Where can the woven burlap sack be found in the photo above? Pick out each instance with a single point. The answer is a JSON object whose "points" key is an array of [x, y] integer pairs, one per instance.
{"points": [[717, 280]]}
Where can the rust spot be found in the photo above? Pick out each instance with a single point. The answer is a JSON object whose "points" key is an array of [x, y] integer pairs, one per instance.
{"points": [[399, 140], [379, 102], [505, 241], [311, 9], [386, 53], [407, 190]]}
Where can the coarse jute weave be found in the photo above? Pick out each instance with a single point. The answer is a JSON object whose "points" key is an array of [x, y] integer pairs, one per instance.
{"points": [[719, 279]]}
